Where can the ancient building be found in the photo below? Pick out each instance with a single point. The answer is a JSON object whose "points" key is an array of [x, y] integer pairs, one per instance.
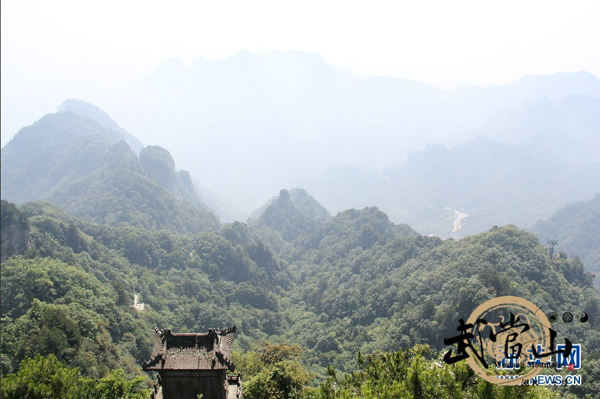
{"points": [[189, 365], [138, 305]]}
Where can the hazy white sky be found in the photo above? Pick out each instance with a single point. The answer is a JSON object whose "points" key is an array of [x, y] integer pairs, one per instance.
{"points": [[49, 47]]}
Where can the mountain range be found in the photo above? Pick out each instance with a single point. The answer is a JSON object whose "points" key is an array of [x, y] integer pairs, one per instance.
{"points": [[250, 124], [80, 152], [462, 190]]}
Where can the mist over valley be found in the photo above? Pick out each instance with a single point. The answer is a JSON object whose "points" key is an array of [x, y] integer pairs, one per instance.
{"points": [[249, 125]]}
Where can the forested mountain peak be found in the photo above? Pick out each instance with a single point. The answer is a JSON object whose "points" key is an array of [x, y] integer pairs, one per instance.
{"points": [[358, 229], [120, 193], [90, 111], [284, 216], [37, 158], [90, 171], [57, 130], [159, 164], [120, 155], [301, 200], [289, 215], [308, 205]]}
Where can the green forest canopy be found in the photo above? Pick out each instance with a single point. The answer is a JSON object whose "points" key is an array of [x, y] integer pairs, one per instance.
{"points": [[354, 284]]}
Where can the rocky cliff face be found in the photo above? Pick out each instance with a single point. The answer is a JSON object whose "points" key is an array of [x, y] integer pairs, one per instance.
{"points": [[14, 231]]}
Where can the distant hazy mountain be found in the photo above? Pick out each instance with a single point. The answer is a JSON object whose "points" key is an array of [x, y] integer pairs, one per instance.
{"points": [[576, 227], [34, 161], [569, 128], [302, 201], [290, 215], [250, 124], [87, 168], [463, 190]]}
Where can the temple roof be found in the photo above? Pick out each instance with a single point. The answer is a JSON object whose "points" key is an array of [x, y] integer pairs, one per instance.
{"points": [[205, 351]]}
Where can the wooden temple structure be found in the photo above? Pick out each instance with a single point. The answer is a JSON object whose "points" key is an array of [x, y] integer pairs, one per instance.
{"points": [[189, 365]]}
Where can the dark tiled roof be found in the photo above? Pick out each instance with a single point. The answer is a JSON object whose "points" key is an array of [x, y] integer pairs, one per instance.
{"points": [[207, 351]]}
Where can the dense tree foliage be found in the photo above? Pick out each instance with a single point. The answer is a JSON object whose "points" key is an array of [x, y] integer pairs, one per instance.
{"points": [[71, 293], [47, 377], [274, 373], [414, 290], [355, 283], [415, 373], [14, 234]]}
